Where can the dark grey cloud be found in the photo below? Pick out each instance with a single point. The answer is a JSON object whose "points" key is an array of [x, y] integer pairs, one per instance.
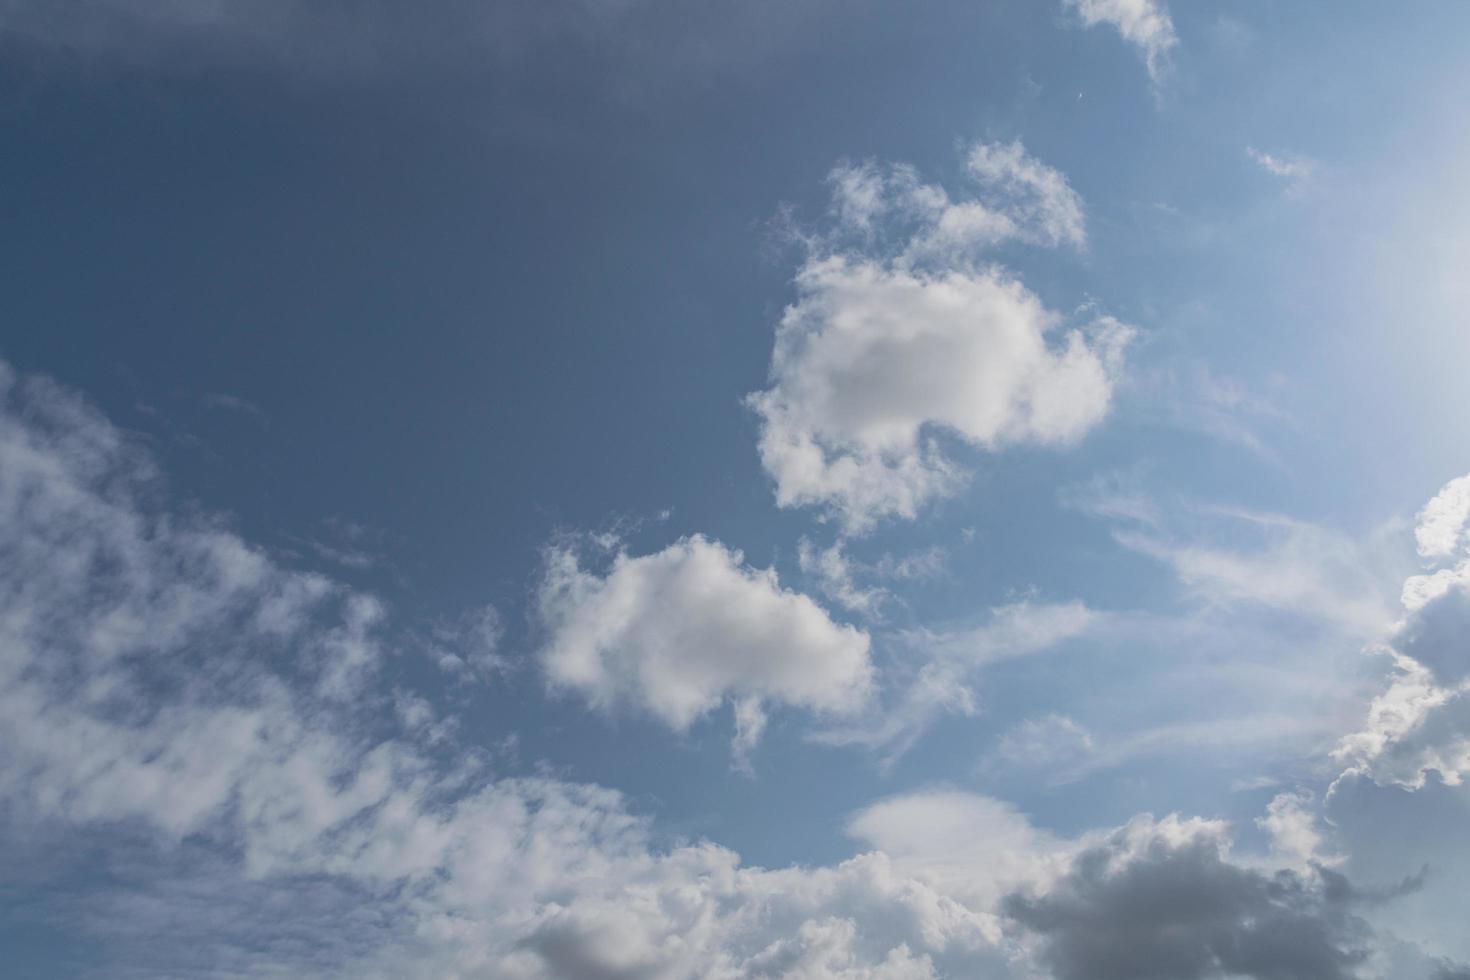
{"points": [[1165, 903]]}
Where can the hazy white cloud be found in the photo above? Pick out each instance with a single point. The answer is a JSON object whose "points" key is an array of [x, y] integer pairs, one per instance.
{"points": [[1037, 199], [1015, 630], [1290, 822], [947, 665], [1014, 197], [832, 569], [1288, 166], [1143, 23], [863, 587], [1226, 557], [901, 338], [678, 632], [468, 647], [158, 668], [1192, 398], [1052, 744]]}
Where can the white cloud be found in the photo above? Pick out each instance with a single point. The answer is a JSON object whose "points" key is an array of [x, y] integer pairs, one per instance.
{"points": [[1442, 535], [1143, 23], [679, 632], [900, 338], [872, 362], [1038, 201], [1444, 523]]}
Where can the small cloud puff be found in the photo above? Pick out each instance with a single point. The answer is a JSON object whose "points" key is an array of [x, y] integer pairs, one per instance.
{"points": [[678, 632]]}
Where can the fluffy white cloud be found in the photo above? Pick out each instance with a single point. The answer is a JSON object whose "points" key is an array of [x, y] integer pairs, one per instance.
{"points": [[1143, 23], [899, 334], [1444, 523], [678, 632]]}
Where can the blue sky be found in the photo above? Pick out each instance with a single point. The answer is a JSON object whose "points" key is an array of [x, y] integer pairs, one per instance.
{"points": [[652, 489]]}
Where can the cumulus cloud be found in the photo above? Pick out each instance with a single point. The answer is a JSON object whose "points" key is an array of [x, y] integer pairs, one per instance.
{"points": [[900, 338], [678, 632], [1420, 724], [1143, 23]]}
